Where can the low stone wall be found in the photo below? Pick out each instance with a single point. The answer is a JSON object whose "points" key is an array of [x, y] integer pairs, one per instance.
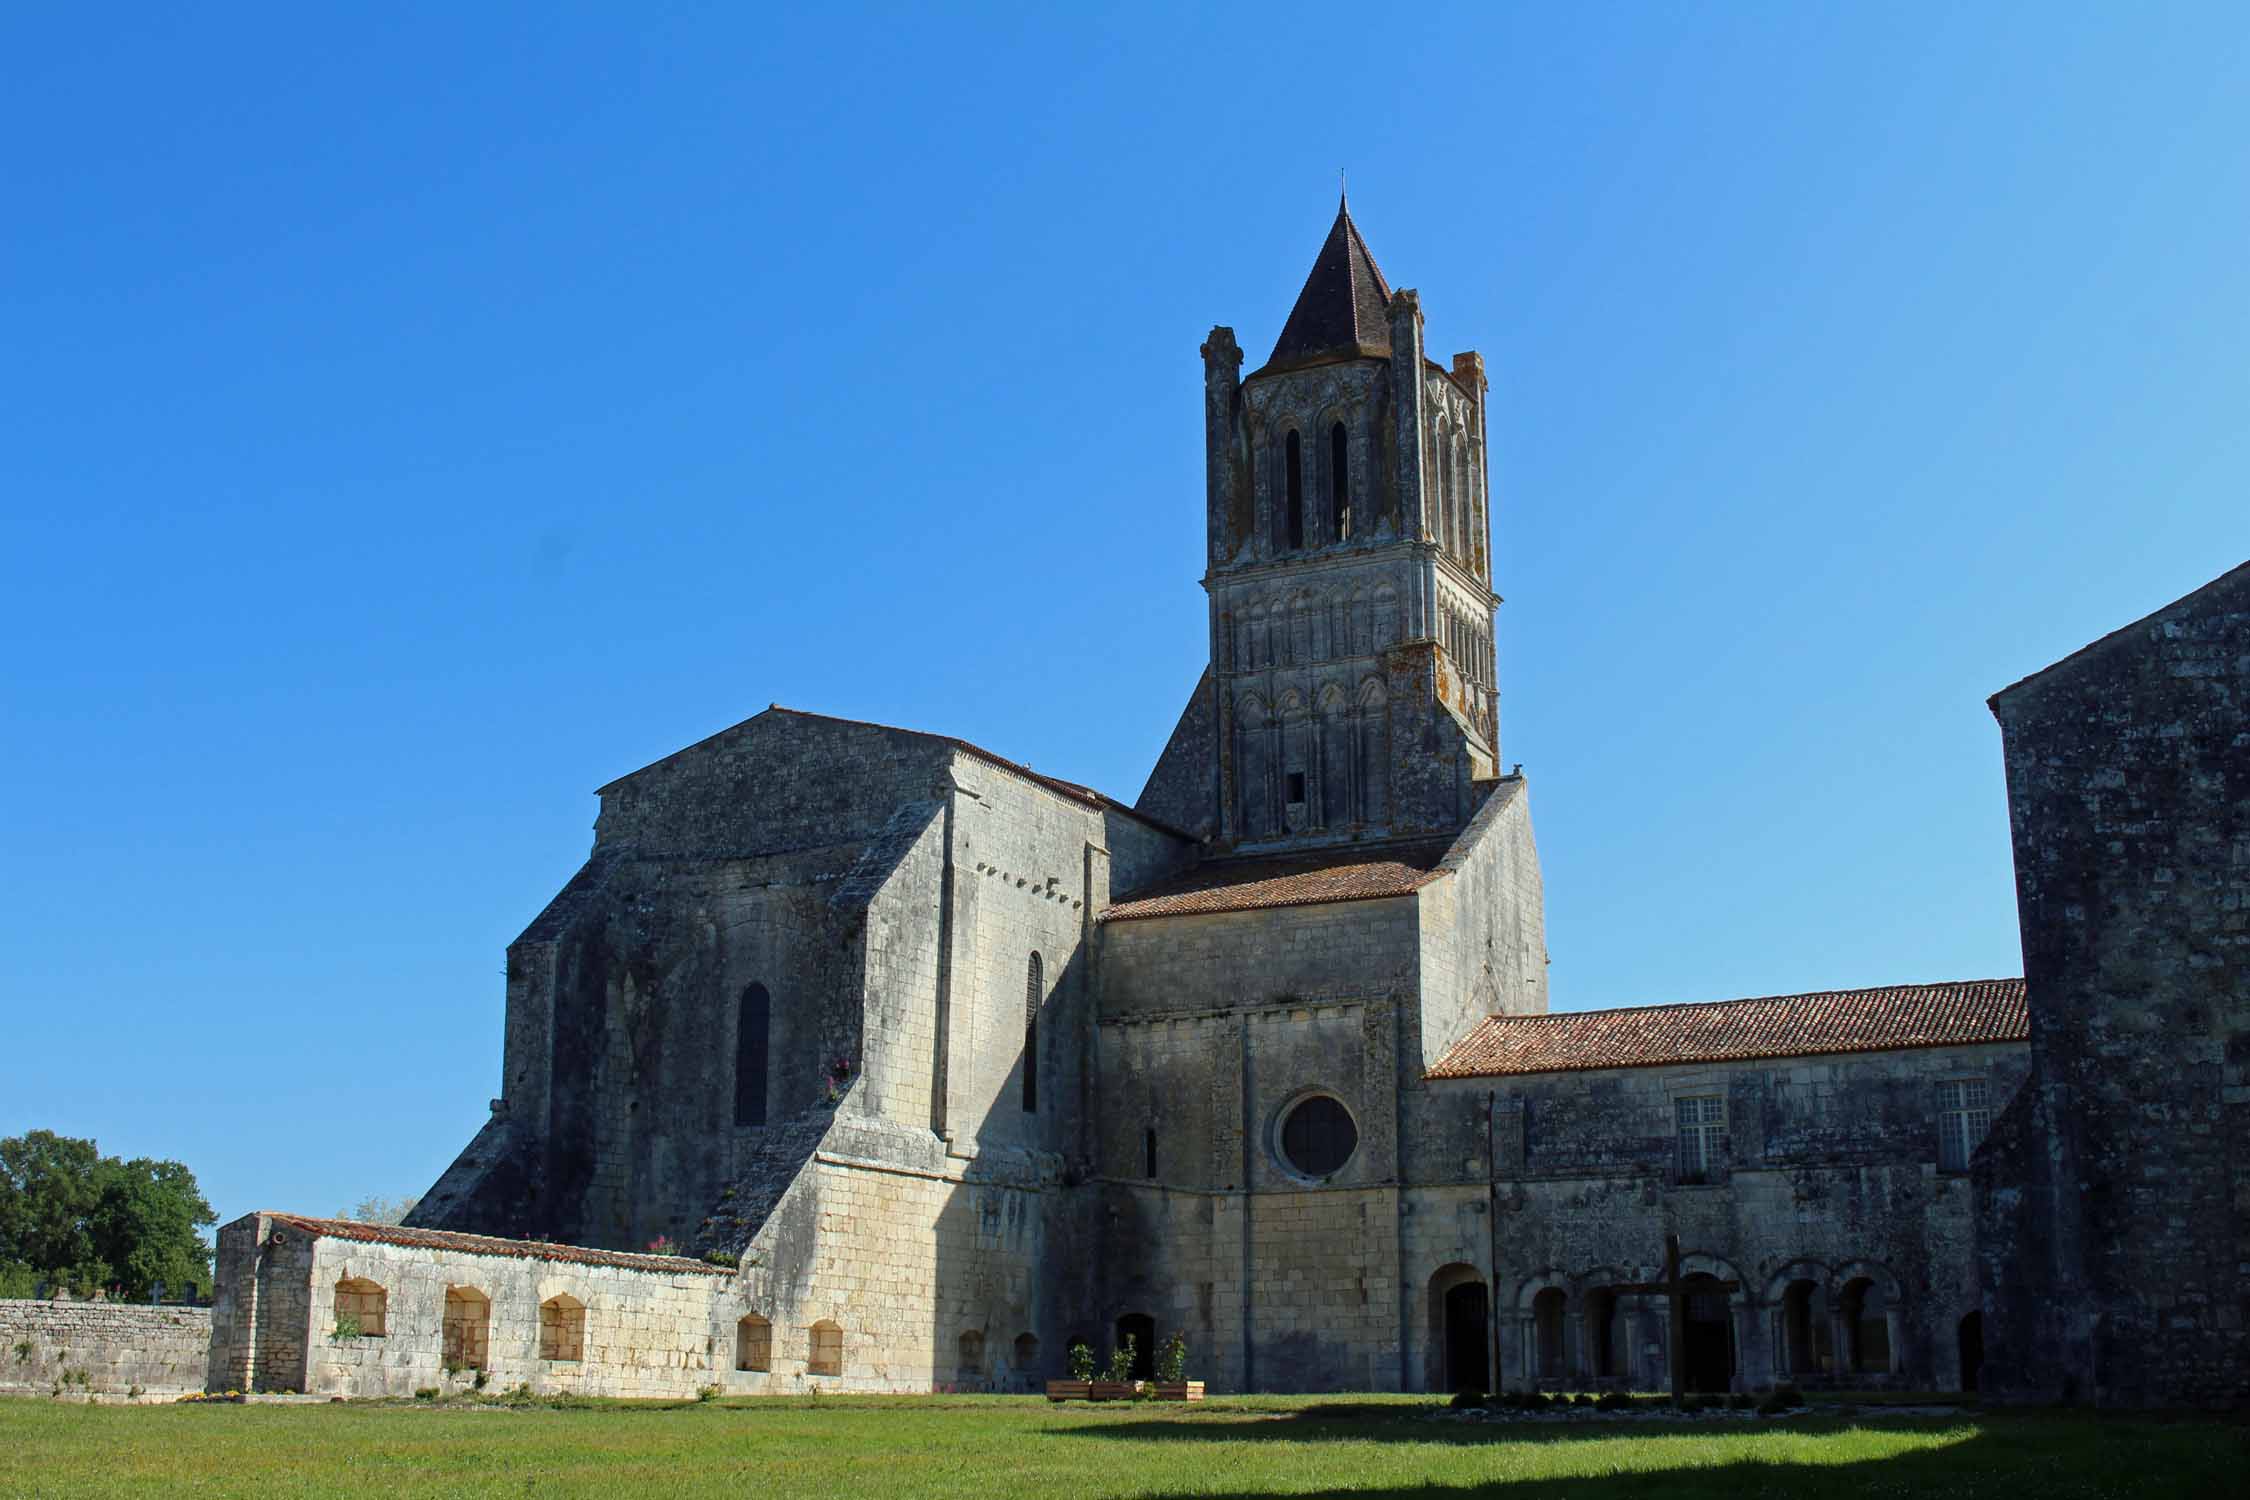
{"points": [[102, 1349]]}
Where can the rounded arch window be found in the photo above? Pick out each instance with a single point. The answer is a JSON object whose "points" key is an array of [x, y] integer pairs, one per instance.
{"points": [[1318, 1136]]}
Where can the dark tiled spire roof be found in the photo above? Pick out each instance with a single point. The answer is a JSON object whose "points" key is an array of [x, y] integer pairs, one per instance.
{"points": [[1344, 309]]}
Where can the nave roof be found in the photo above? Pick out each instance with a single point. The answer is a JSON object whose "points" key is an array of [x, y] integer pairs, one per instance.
{"points": [[1894, 1017]]}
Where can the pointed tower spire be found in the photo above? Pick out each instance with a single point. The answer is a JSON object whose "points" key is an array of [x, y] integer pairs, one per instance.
{"points": [[1343, 311]]}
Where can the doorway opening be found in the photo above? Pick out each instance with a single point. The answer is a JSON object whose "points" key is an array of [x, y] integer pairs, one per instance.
{"points": [[1708, 1336], [1468, 1338]]}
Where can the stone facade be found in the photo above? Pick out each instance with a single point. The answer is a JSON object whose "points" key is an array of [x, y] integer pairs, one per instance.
{"points": [[958, 1064], [2117, 1189], [104, 1350], [1828, 1173]]}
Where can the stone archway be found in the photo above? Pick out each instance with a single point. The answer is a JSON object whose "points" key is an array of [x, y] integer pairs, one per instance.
{"points": [[1460, 1330]]}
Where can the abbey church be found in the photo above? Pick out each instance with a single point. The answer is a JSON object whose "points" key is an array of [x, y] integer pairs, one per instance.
{"points": [[930, 1065]]}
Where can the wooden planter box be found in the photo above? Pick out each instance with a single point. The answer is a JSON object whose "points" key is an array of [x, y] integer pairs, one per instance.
{"points": [[1114, 1390], [1179, 1390], [1070, 1390]]}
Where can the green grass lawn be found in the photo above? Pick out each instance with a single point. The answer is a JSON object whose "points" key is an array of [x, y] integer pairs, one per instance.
{"points": [[992, 1447]]}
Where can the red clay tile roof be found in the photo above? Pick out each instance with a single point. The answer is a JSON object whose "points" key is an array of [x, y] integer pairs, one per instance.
{"points": [[484, 1244], [1352, 873], [1880, 1020]]}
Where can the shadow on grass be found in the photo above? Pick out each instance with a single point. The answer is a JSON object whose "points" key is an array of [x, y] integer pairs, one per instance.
{"points": [[2053, 1456], [1360, 1422]]}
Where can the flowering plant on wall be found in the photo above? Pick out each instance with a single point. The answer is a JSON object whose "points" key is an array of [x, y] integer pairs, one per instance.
{"points": [[836, 1077], [662, 1245]]}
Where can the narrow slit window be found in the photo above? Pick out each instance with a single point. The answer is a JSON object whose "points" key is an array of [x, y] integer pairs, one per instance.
{"points": [[1296, 786], [752, 1032], [1339, 483], [1293, 465], [1032, 984], [1148, 1152]]}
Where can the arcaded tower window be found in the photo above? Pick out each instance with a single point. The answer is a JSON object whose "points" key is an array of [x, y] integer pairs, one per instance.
{"points": [[1293, 463], [1339, 483], [1318, 1137]]}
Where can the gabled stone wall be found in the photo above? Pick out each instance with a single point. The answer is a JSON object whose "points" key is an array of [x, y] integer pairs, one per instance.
{"points": [[2116, 1222]]}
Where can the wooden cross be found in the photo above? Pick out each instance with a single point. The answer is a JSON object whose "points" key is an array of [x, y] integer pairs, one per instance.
{"points": [[1674, 1288]]}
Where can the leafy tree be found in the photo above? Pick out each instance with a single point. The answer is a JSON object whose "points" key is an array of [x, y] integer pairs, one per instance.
{"points": [[70, 1214], [146, 1224], [377, 1209], [48, 1187]]}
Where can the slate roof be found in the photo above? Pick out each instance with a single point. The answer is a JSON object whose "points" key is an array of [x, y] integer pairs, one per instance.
{"points": [[1351, 873], [1344, 309], [1874, 1020], [485, 1244]]}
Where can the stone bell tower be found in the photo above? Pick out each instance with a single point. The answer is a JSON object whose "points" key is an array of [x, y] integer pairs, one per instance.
{"points": [[1351, 692]]}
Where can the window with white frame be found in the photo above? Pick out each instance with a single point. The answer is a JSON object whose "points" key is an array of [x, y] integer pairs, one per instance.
{"points": [[1964, 1115], [1702, 1121]]}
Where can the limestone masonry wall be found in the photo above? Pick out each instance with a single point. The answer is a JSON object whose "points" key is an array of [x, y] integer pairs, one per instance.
{"points": [[609, 1330], [2116, 1230], [102, 1349]]}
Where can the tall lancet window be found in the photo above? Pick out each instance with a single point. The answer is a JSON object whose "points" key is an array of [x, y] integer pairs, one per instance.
{"points": [[1031, 988], [1293, 466], [1339, 483], [1449, 515], [753, 1025]]}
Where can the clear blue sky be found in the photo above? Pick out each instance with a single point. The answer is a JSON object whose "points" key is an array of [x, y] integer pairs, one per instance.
{"points": [[411, 418]]}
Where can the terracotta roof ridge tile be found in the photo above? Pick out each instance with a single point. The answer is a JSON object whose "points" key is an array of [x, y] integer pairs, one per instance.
{"points": [[489, 1244], [1657, 1005], [1961, 1012]]}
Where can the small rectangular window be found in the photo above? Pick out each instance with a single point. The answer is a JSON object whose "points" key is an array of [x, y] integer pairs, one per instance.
{"points": [[1702, 1121], [1964, 1115], [1296, 786]]}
